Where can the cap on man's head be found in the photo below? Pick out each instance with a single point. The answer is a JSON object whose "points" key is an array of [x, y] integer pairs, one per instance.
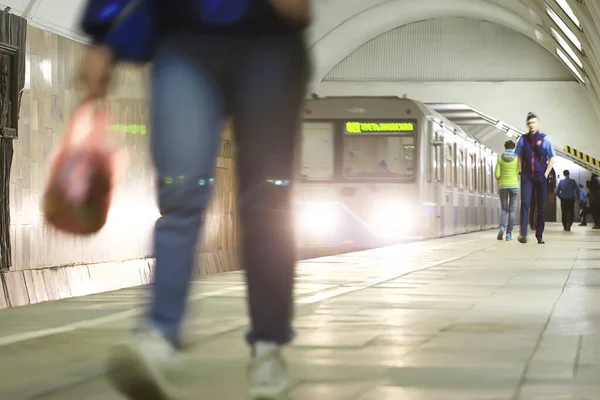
{"points": [[531, 115]]}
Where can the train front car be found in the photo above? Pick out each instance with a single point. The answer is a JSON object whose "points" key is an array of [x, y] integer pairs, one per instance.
{"points": [[358, 173]]}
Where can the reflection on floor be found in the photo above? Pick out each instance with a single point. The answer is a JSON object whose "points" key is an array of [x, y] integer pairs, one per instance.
{"points": [[457, 318]]}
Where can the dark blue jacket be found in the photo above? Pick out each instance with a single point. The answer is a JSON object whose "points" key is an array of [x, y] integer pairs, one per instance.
{"points": [[534, 149], [567, 189], [133, 27]]}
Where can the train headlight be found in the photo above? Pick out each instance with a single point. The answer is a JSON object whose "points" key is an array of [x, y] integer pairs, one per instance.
{"points": [[318, 219], [391, 220]]}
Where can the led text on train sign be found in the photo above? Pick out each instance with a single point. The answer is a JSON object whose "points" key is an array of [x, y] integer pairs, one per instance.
{"points": [[357, 128]]}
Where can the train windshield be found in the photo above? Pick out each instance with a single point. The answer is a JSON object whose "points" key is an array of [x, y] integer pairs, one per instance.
{"points": [[380, 151]]}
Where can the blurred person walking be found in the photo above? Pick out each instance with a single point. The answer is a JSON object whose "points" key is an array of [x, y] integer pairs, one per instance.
{"points": [[583, 199], [507, 173], [211, 59], [594, 196], [568, 192], [536, 158]]}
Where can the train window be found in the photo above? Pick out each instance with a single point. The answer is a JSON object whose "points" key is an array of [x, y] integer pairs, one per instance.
{"points": [[487, 178], [430, 157], [449, 165], [482, 177], [492, 179], [439, 156], [472, 173], [431, 162], [461, 169], [379, 156], [316, 158]]}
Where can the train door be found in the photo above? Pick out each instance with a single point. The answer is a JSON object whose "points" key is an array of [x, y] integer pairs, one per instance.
{"points": [[462, 195], [481, 217], [472, 186], [436, 178], [488, 191], [491, 204], [439, 185], [448, 201]]}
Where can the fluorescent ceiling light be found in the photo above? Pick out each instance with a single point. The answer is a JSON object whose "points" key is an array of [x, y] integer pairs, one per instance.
{"points": [[563, 27], [563, 43], [572, 67], [569, 11]]}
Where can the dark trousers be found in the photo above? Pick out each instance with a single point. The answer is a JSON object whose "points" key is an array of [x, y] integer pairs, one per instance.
{"points": [[197, 81], [583, 211], [595, 210], [532, 212], [538, 185], [567, 207]]}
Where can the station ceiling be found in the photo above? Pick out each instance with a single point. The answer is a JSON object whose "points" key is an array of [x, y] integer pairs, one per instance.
{"points": [[569, 29]]}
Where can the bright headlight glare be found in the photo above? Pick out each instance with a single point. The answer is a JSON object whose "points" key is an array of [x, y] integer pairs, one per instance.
{"points": [[318, 218], [391, 220]]}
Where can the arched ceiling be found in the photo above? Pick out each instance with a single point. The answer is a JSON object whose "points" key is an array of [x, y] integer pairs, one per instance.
{"points": [[342, 26]]}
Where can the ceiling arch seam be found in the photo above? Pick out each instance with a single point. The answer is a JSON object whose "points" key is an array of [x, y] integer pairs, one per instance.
{"points": [[370, 6], [31, 7], [591, 36]]}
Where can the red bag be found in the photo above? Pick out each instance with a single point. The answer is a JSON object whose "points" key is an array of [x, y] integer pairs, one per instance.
{"points": [[83, 172]]}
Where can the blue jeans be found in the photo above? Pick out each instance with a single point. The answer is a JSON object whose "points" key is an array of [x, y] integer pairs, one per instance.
{"points": [[197, 81], [508, 203], [538, 185]]}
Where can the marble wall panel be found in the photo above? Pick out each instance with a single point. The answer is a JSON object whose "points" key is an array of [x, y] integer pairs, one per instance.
{"points": [[49, 97], [49, 265]]}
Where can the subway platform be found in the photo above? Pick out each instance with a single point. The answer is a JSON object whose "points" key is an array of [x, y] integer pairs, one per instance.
{"points": [[458, 318]]}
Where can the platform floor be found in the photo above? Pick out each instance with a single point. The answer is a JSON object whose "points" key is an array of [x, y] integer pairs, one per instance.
{"points": [[458, 318]]}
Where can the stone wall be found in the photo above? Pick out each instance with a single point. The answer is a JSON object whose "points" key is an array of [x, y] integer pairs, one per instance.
{"points": [[47, 264]]}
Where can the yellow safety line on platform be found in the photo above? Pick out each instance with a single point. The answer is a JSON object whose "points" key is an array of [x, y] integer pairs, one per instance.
{"points": [[582, 156]]}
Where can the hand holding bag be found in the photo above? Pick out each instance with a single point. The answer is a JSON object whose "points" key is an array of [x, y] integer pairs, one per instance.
{"points": [[83, 172]]}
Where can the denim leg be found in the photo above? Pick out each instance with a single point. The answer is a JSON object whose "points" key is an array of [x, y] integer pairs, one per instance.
{"points": [[186, 121], [512, 209], [526, 190], [266, 112], [503, 206]]}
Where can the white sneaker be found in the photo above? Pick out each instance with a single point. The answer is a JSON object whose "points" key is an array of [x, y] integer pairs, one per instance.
{"points": [[141, 369], [267, 372]]}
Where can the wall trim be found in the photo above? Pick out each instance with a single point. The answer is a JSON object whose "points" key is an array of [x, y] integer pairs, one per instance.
{"points": [[32, 286]]}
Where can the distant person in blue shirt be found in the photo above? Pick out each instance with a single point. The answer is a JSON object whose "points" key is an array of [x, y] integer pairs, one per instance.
{"points": [[583, 196], [536, 158], [568, 192]]}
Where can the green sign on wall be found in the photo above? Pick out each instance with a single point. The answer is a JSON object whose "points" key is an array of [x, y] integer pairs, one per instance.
{"points": [[130, 129]]}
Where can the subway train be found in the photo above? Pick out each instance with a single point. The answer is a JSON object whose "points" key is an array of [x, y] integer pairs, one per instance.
{"points": [[378, 171]]}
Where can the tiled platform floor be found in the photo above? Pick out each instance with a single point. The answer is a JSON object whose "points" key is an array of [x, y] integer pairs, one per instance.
{"points": [[455, 319]]}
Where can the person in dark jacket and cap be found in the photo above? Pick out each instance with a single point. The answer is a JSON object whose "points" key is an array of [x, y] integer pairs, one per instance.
{"points": [[536, 159], [246, 59]]}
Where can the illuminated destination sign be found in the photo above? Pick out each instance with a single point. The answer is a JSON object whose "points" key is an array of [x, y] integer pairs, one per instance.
{"points": [[359, 128]]}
